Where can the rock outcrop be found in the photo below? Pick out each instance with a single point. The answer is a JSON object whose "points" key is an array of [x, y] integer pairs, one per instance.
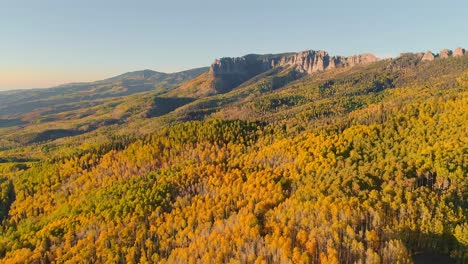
{"points": [[445, 53], [247, 65], [428, 56], [459, 52], [314, 61], [230, 72], [306, 61]]}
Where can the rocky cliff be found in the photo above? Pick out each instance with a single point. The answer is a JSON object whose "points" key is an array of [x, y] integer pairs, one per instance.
{"points": [[314, 61], [230, 72], [443, 54]]}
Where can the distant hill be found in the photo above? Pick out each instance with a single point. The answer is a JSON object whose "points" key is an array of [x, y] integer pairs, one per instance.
{"points": [[24, 101]]}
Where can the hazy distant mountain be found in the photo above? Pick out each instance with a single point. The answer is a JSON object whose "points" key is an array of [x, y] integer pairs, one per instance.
{"points": [[24, 101], [159, 78]]}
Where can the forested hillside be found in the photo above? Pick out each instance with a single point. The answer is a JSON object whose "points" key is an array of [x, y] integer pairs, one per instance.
{"points": [[366, 164]]}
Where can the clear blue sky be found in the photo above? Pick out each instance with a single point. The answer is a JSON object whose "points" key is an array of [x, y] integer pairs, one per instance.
{"points": [[48, 42]]}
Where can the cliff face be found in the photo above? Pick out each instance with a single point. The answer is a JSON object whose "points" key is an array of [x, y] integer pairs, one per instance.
{"points": [[230, 72], [314, 61]]}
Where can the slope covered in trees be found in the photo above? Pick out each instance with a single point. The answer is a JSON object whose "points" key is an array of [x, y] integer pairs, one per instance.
{"points": [[365, 165]]}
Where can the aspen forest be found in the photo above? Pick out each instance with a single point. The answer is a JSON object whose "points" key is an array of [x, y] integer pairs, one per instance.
{"points": [[362, 165]]}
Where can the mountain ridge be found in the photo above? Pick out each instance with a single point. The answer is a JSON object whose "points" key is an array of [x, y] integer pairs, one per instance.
{"points": [[21, 101], [230, 72], [309, 61]]}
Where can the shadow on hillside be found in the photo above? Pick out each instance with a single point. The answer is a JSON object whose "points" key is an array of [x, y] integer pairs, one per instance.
{"points": [[8, 198], [11, 122], [163, 105], [429, 258], [53, 134], [434, 248]]}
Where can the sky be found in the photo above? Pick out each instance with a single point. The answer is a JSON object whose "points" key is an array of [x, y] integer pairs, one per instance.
{"points": [[50, 42]]}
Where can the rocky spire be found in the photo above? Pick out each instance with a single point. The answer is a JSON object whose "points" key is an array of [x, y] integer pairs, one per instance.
{"points": [[445, 53], [459, 52], [309, 61], [428, 56]]}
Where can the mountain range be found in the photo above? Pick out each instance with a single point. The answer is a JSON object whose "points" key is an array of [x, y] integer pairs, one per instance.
{"points": [[223, 87]]}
